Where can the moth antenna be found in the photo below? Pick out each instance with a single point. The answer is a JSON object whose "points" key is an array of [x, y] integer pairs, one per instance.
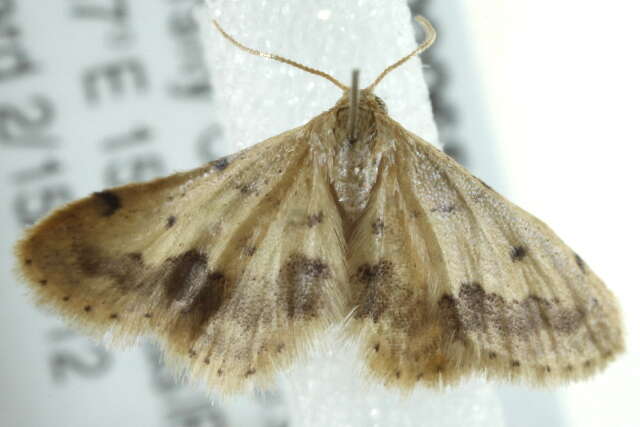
{"points": [[353, 105], [431, 37], [279, 58]]}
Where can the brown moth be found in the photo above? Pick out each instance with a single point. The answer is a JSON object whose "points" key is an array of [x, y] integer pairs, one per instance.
{"points": [[236, 266]]}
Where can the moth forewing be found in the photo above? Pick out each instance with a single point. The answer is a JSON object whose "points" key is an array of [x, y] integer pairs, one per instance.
{"points": [[453, 280]]}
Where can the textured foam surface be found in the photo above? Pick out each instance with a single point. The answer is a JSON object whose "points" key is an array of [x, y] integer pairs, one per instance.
{"points": [[256, 98]]}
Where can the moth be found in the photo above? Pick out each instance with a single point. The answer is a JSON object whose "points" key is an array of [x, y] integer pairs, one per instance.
{"points": [[349, 219]]}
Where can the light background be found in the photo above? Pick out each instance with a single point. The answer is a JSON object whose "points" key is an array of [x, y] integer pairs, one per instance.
{"points": [[538, 97], [561, 84]]}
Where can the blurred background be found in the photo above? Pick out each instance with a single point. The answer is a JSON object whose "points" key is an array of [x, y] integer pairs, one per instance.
{"points": [[536, 98]]}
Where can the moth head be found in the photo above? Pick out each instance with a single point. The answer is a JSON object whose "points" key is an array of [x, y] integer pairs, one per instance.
{"points": [[359, 106], [365, 100], [426, 25]]}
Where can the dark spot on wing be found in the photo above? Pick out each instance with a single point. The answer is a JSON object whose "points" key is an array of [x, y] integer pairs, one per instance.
{"points": [[189, 285], [171, 221], [208, 299], [471, 306], [87, 308], [449, 316], [206, 360], [250, 372], [374, 273], [43, 283], [376, 347], [113, 316], [124, 270], [303, 279], [66, 298], [515, 363], [28, 261], [492, 355], [315, 219], [248, 188], [475, 311], [135, 257], [184, 273], [109, 201], [580, 262], [372, 296], [309, 268], [445, 208], [250, 250], [221, 164], [377, 226], [518, 252], [148, 315], [90, 261], [398, 373]]}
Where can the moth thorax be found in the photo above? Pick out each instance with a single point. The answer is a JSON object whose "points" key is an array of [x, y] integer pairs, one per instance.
{"points": [[355, 165]]}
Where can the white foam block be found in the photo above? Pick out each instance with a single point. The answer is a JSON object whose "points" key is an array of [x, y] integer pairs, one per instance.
{"points": [[256, 98]]}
